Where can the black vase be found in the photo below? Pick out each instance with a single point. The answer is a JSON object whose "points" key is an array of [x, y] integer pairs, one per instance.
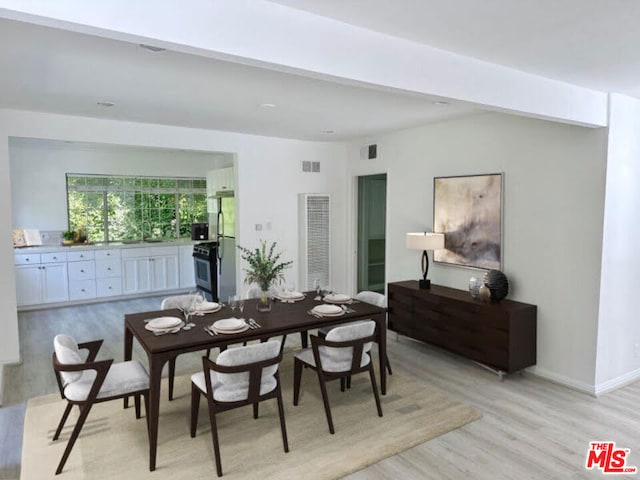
{"points": [[497, 283]]}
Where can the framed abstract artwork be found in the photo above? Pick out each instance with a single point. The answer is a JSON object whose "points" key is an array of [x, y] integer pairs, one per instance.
{"points": [[468, 210]]}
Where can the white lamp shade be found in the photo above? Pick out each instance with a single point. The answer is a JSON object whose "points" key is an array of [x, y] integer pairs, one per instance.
{"points": [[425, 241]]}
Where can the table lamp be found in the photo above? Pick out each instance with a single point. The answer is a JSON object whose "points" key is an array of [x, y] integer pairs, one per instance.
{"points": [[425, 241]]}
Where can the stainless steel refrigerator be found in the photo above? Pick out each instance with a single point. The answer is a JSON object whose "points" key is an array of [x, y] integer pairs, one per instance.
{"points": [[225, 228]]}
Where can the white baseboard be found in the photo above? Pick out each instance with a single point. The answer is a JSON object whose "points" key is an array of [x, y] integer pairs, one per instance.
{"points": [[562, 380], [593, 390], [617, 382]]}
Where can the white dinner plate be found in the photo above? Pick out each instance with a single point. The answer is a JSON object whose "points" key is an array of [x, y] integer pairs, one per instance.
{"points": [[238, 330], [167, 329], [337, 298], [291, 295], [325, 309], [229, 324], [163, 323], [208, 307]]}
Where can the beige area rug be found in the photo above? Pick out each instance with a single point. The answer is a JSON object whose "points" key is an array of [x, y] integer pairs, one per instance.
{"points": [[113, 444]]}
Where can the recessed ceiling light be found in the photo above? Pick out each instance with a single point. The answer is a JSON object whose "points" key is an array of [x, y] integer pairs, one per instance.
{"points": [[105, 104], [267, 105], [441, 103], [151, 48], [328, 132]]}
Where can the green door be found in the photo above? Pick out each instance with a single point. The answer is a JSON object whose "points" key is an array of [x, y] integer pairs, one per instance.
{"points": [[372, 214]]}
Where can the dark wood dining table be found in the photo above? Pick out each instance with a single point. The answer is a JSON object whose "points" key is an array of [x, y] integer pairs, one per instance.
{"points": [[284, 318]]}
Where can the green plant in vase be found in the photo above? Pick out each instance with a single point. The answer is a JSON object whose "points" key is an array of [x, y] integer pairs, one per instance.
{"points": [[68, 237], [265, 268]]}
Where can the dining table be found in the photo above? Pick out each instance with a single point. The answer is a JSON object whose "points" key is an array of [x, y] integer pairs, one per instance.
{"points": [[285, 317]]}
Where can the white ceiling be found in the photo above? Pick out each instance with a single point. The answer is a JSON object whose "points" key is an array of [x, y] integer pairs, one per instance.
{"points": [[591, 43]]}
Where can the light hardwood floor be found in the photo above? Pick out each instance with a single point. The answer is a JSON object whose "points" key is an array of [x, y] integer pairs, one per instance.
{"points": [[530, 429]]}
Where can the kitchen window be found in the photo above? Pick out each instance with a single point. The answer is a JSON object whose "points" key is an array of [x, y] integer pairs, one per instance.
{"points": [[120, 208]]}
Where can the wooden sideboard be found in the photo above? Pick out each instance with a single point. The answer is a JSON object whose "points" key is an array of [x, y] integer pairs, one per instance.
{"points": [[500, 335]]}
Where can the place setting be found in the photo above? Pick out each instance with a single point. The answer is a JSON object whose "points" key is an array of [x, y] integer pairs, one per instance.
{"points": [[290, 295], [326, 310], [163, 325], [231, 326]]}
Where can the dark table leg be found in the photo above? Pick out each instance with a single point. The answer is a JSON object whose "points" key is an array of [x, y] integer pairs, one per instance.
{"points": [[128, 354], [381, 329], [156, 363]]}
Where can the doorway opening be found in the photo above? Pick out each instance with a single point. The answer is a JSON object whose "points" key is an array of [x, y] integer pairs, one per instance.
{"points": [[372, 214]]}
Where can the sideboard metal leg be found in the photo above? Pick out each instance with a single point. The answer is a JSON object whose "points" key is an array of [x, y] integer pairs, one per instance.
{"points": [[500, 373]]}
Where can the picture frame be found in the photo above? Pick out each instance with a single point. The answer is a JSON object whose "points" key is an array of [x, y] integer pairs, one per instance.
{"points": [[468, 210]]}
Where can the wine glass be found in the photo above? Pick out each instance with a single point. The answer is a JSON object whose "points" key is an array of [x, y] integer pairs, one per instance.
{"points": [[291, 286], [233, 302], [241, 305], [316, 286]]}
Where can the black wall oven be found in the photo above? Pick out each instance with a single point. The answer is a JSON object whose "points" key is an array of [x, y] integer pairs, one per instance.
{"points": [[205, 263]]}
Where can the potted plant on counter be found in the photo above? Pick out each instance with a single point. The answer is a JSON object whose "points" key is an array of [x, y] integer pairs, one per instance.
{"points": [[68, 237], [265, 268]]}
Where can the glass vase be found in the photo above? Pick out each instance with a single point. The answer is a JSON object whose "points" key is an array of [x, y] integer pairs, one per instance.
{"points": [[264, 302]]}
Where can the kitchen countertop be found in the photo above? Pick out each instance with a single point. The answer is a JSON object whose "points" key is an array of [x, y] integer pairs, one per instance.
{"points": [[102, 246]]}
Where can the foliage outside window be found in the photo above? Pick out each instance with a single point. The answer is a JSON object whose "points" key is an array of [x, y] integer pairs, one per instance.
{"points": [[116, 208]]}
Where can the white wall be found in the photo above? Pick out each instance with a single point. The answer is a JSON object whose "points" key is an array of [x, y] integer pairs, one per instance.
{"points": [[554, 179], [40, 200], [619, 329], [269, 180]]}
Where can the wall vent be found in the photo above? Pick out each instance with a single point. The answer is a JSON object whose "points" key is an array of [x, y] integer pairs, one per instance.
{"points": [[314, 248], [372, 152], [308, 166]]}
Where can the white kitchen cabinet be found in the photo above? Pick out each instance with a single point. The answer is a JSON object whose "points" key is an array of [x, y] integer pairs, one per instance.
{"points": [[82, 275], [150, 269], [108, 273], [220, 180], [187, 274], [40, 280]]}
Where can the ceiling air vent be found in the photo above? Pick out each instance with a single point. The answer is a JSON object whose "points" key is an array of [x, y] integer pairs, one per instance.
{"points": [[373, 152]]}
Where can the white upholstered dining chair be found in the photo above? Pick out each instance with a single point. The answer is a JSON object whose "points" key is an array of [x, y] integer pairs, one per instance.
{"points": [[240, 376], [85, 382], [179, 302], [343, 353], [367, 296]]}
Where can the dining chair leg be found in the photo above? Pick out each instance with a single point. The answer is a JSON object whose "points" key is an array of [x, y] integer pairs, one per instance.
{"points": [[283, 427], [208, 352], [84, 412], [389, 366], [195, 408], [63, 420], [343, 382], [374, 386], [136, 399], [325, 399], [255, 410], [172, 374], [146, 412], [214, 438], [297, 377]]}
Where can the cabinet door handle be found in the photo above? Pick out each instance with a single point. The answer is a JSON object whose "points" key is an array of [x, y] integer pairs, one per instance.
{"points": [[81, 271], [81, 256], [110, 287], [108, 254], [26, 260], [82, 290], [108, 269], [55, 258]]}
